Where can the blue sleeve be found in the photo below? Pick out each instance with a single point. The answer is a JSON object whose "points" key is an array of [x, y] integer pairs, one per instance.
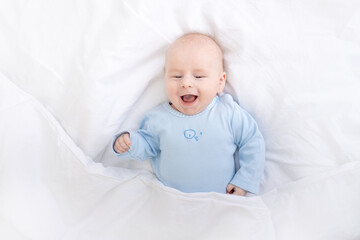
{"points": [[251, 151], [144, 143]]}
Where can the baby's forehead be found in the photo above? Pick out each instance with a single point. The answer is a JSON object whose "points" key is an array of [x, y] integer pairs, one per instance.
{"points": [[197, 41]]}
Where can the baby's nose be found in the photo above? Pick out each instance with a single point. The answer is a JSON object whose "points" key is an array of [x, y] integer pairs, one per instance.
{"points": [[187, 82]]}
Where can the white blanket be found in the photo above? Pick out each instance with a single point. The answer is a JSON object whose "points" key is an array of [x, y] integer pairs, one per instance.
{"points": [[73, 73]]}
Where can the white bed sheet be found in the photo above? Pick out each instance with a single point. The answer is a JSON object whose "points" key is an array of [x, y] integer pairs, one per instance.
{"points": [[75, 72]]}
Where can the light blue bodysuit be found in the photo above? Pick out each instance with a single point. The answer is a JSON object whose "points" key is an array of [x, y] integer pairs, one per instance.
{"points": [[195, 153]]}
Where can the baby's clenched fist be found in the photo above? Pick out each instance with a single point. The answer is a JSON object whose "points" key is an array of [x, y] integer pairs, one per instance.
{"points": [[122, 143]]}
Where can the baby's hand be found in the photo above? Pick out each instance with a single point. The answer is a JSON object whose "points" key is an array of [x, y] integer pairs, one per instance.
{"points": [[122, 143], [232, 189]]}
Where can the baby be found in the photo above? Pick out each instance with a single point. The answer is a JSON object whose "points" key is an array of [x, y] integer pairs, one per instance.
{"points": [[192, 138]]}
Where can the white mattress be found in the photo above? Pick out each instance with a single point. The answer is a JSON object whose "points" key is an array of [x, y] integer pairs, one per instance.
{"points": [[73, 73]]}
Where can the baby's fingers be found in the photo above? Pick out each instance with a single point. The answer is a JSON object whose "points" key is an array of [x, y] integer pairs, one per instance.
{"points": [[230, 189], [126, 138], [122, 143], [117, 146]]}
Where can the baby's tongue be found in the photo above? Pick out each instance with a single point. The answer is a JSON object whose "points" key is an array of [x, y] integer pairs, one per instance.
{"points": [[189, 98]]}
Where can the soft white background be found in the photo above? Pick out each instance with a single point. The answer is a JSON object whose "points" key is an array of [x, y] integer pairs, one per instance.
{"points": [[73, 73]]}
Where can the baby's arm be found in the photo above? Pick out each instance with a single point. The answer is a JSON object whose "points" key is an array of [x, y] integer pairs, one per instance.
{"points": [[251, 151], [140, 145], [122, 143]]}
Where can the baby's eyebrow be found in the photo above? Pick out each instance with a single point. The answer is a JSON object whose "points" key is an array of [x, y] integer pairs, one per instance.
{"points": [[195, 71], [199, 70], [174, 70]]}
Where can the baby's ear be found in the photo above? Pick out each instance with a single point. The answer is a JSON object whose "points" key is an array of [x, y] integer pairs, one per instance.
{"points": [[222, 82]]}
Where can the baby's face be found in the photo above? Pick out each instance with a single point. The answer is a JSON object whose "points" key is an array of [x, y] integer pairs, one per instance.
{"points": [[193, 74]]}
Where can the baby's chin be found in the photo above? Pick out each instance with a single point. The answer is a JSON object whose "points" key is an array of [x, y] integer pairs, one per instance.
{"points": [[187, 111], [191, 112]]}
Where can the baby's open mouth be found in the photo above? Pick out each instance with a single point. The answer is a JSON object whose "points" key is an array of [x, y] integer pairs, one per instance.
{"points": [[189, 98]]}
